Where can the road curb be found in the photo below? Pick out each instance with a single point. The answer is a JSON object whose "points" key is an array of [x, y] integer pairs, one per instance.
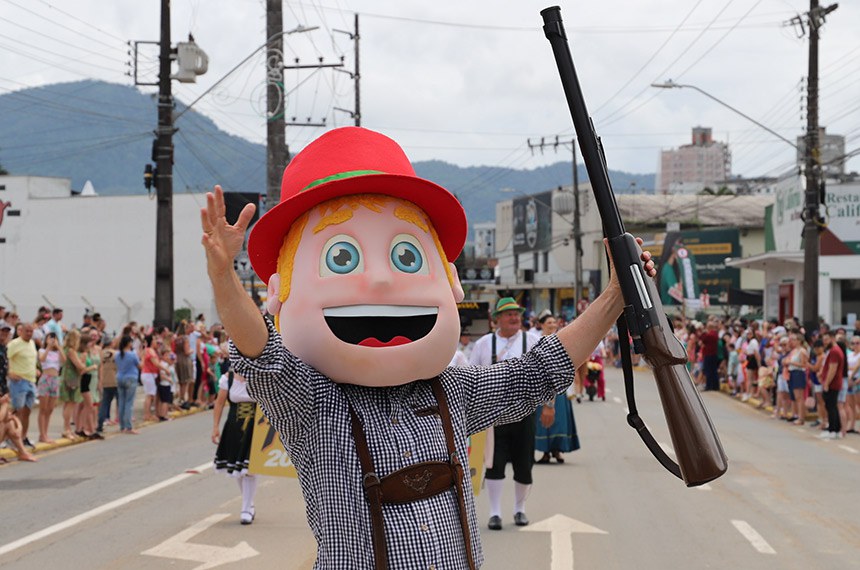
{"points": [[755, 402], [7, 453]]}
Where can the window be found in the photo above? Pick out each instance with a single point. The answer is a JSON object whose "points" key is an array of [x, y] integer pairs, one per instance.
{"points": [[846, 301]]}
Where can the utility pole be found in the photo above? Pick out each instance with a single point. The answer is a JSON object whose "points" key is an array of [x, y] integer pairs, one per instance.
{"points": [[163, 152], [811, 214], [192, 62], [355, 75], [577, 235], [563, 209], [277, 153]]}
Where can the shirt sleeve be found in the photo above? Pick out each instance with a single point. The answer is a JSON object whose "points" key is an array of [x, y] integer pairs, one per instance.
{"points": [[512, 389], [281, 384]]}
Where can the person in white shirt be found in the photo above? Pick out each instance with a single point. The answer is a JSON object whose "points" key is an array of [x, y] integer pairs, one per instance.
{"points": [[512, 443]]}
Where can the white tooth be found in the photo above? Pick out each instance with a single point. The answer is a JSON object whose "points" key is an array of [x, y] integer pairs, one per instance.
{"points": [[379, 311]]}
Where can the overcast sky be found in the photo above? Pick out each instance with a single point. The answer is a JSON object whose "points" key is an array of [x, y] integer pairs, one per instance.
{"points": [[470, 82]]}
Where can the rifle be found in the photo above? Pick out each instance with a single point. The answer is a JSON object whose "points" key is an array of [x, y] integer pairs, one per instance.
{"points": [[697, 446]]}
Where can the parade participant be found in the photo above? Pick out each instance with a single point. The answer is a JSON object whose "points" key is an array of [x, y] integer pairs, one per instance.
{"points": [[556, 428], [353, 372], [513, 443], [234, 441]]}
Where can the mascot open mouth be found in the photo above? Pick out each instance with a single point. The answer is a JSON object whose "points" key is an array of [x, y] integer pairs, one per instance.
{"points": [[380, 325]]}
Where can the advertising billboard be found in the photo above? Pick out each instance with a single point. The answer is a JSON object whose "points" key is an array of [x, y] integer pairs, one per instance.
{"points": [[692, 267], [532, 223]]}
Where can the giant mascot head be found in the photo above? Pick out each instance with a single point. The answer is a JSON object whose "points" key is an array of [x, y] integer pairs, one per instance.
{"points": [[358, 258]]}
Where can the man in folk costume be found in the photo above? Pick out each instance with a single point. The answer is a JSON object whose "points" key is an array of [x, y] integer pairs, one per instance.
{"points": [[512, 443], [353, 373]]}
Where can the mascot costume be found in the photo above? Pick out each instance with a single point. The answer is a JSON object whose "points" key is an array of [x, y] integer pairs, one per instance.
{"points": [[353, 373]]}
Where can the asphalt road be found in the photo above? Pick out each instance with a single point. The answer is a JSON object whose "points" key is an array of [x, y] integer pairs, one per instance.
{"points": [[788, 500]]}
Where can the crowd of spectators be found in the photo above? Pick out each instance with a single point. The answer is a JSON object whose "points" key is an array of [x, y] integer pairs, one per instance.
{"points": [[86, 371], [777, 365], [796, 372]]}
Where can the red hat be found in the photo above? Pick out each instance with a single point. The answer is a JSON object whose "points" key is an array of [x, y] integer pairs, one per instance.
{"points": [[345, 161]]}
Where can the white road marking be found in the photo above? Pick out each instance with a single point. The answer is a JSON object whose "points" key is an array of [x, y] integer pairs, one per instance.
{"points": [[560, 528], [758, 542], [616, 399], [178, 547], [78, 519], [626, 410], [608, 390], [848, 448]]}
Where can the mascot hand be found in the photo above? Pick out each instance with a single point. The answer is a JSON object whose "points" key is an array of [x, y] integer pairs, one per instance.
{"points": [[221, 240]]}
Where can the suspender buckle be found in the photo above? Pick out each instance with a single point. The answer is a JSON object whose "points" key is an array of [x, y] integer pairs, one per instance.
{"points": [[370, 480]]}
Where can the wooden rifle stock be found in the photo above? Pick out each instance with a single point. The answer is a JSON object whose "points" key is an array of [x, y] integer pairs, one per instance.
{"points": [[697, 446]]}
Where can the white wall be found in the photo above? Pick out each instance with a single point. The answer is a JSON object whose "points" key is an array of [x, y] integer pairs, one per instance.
{"points": [[62, 249]]}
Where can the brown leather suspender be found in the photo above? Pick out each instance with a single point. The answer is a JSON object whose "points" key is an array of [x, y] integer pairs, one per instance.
{"points": [[459, 472], [416, 482], [372, 488]]}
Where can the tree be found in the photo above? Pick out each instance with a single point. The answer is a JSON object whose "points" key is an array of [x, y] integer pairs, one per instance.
{"points": [[721, 191]]}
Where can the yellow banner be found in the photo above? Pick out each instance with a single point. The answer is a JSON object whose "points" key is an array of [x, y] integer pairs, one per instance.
{"points": [[476, 444], [268, 456]]}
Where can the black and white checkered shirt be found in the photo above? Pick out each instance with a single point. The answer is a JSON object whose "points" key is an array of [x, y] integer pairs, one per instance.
{"points": [[310, 412]]}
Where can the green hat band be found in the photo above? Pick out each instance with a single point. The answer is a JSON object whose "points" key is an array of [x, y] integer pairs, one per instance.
{"points": [[341, 176]]}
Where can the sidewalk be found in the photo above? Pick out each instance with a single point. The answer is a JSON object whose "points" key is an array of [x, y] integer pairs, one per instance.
{"points": [[55, 427]]}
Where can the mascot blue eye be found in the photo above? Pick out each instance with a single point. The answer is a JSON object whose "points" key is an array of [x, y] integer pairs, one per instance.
{"points": [[342, 257], [406, 257]]}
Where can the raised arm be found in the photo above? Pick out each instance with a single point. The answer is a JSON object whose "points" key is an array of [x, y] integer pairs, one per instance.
{"points": [[222, 241]]}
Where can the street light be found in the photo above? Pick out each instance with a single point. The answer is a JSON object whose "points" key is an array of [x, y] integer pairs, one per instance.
{"points": [[810, 229], [672, 85]]}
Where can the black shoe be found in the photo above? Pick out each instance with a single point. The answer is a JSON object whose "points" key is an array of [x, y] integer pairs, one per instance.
{"points": [[29, 443], [495, 523], [95, 435], [543, 459], [520, 519]]}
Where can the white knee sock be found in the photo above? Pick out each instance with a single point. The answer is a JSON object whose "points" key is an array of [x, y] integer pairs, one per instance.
{"points": [[249, 490], [494, 494], [521, 492]]}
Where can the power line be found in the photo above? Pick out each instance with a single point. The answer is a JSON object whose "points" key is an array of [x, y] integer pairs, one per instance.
{"points": [[650, 59], [43, 18], [605, 120]]}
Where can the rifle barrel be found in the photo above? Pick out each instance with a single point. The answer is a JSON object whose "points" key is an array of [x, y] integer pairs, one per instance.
{"points": [[588, 142]]}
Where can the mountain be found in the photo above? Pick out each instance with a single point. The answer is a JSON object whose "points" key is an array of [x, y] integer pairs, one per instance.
{"points": [[103, 132]]}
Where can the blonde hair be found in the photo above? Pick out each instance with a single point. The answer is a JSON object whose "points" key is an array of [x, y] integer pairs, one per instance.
{"points": [[339, 210], [72, 340]]}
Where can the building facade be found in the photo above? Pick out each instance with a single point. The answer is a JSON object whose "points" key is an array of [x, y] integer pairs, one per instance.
{"points": [[782, 262], [691, 168], [535, 245], [94, 252]]}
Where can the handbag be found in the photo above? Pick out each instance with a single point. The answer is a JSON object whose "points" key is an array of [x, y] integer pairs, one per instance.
{"points": [[810, 403]]}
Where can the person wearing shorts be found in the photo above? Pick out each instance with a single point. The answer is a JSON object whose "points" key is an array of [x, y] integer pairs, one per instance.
{"points": [[51, 358], [165, 384], [149, 376], [22, 355]]}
